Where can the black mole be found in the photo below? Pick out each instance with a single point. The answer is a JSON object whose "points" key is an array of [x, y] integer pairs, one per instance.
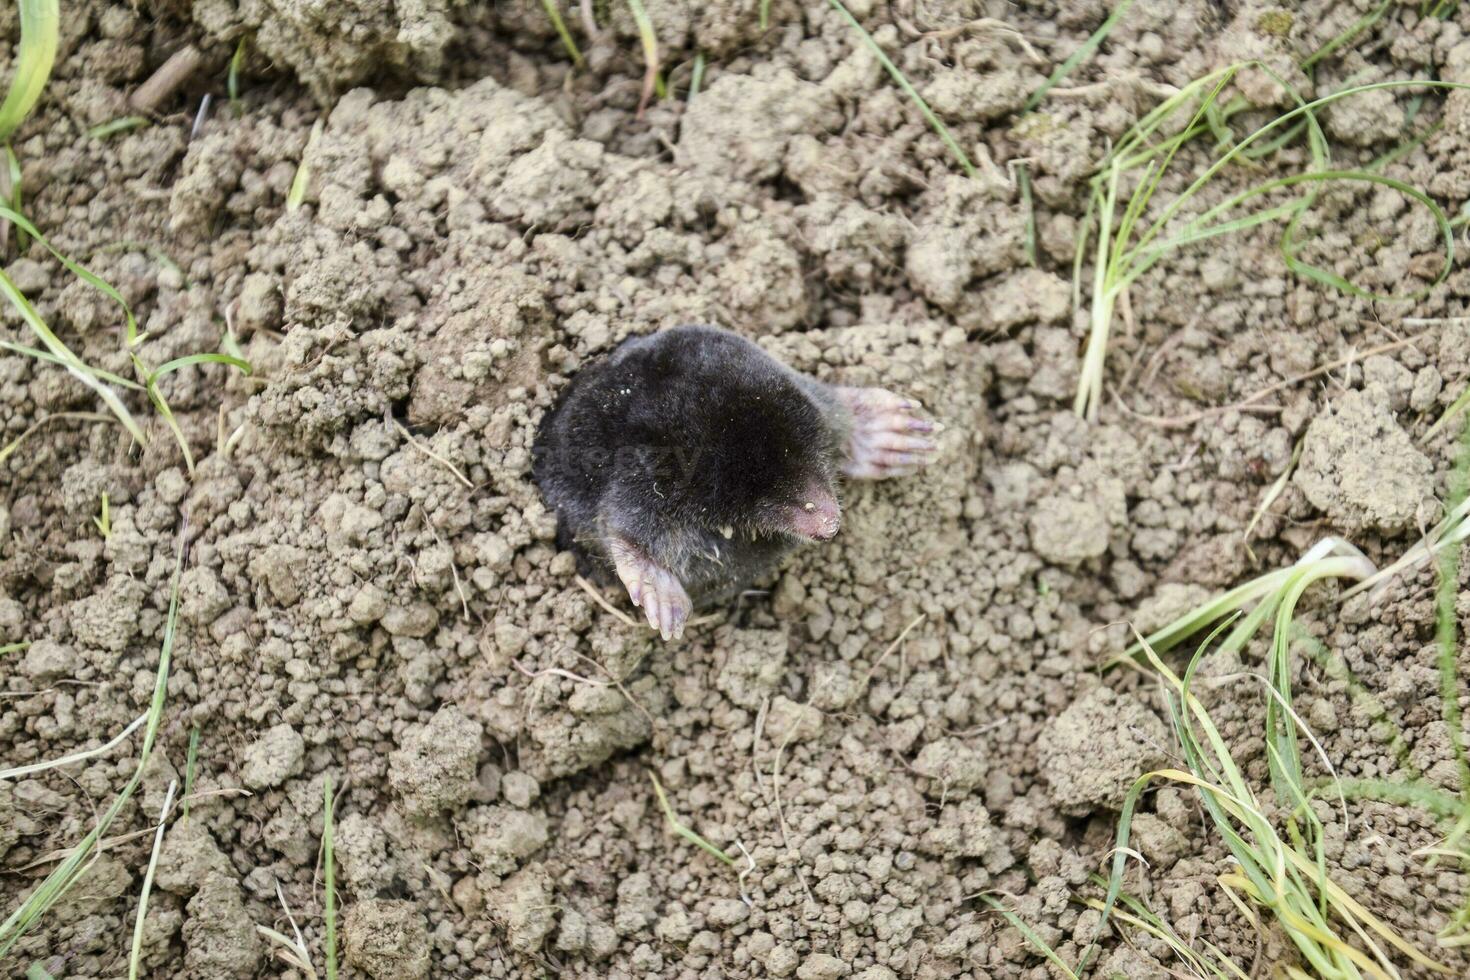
{"points": [[690, 462]]}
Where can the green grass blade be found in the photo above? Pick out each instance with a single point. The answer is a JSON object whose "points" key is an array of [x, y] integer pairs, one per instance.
{"points": [[191, 765], [553, 14], [168, 367], [302, 180], [1357, 27], [161, 405], [1030, 936], [78, 270], [49, 358], [1023, 183], [17, 195], [903, 83], [64, 356], [648, 37], [40, 31], [237, 65], [1446, 619], [696, 77], [114, 126], [1080, 55], [1330, 278], [1455, 409], [681, 829]]}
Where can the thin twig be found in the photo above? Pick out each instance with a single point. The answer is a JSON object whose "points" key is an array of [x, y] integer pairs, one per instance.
{"points": [[1248, 403], [891, 647], [601, 600], [618, 683], [417, 444], [554, 672], [169, 76]]}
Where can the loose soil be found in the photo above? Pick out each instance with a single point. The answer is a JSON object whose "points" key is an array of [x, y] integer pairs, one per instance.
{"points": [[899, 721]]}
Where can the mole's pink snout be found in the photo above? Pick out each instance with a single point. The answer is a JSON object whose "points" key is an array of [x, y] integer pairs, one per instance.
{"points": [[817, 517]]}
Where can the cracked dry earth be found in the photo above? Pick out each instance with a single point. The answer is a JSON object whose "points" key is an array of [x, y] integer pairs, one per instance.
{"points": [[904, 719]]}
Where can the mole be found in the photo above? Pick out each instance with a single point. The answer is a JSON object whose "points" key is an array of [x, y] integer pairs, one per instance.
{"points": [[686, 464]]}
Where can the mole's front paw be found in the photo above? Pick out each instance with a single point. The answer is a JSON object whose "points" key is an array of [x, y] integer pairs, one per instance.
{"points": [[653, 588], [888, 436]]}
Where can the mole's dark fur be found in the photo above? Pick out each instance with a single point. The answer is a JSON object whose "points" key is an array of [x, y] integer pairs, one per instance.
{"points": [[695, 446]]}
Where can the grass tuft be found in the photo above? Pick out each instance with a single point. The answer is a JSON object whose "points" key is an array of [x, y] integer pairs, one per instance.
{"points": [[102, 382], [1281, 870], [1126, 245]]}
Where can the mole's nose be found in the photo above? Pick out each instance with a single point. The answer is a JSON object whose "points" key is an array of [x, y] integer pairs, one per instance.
{"points": [[818, 518]]}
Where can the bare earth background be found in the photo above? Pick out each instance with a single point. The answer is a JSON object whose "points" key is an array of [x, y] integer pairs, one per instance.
{"points": [[394, 613]]}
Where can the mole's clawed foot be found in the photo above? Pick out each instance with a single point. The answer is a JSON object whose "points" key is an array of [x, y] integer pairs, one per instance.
{"points": [[889, 438], [653, 588]]}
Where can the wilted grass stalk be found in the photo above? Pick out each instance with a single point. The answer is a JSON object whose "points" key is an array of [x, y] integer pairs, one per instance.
{"points": [[329, 898], [136, 956]]}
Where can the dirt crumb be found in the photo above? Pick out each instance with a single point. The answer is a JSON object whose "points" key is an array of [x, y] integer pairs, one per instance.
{"points": [[434, 769], [1092, 752], [188, 857], [501, 837], [526, 907], [1066, 530], [220, 941], [1361, 468], [387, 940], [274, 758]]}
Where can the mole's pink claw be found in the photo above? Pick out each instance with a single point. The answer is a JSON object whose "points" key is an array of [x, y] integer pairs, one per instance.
{"points": [[664, 602], [880, 443]]}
